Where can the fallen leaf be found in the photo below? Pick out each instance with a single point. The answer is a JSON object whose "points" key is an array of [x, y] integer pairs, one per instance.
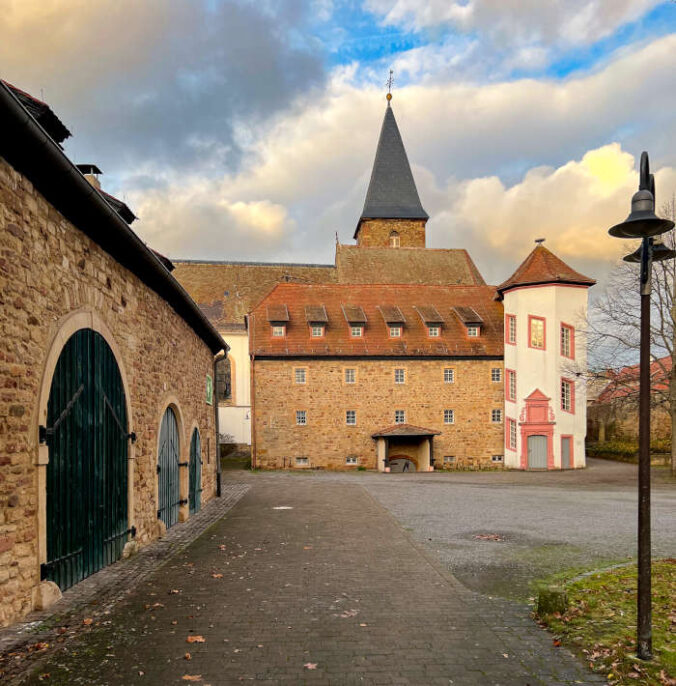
{"points": [[87, 621], [217, 576], [187, 656], [363, 624], [556, 642], [174, 591], [310, 665], [307, 547], [196, 639], [192, 677]]}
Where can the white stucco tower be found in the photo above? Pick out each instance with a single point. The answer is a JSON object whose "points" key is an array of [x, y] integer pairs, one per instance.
{"points": [[545, 304]]}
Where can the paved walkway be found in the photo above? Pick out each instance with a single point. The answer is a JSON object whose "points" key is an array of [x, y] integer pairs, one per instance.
{"points": [[309, 581]]}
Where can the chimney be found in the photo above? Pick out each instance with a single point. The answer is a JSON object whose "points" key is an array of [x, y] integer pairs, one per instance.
{"points": [[91, 173]]}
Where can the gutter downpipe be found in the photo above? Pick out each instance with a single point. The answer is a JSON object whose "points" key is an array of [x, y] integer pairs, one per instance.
{"points": [[252, 357], [217, 358]]}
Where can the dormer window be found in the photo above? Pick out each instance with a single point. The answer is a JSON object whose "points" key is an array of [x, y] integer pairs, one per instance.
{"points": [[431, 319], [395, 331], [473, 331], [395, 240], [433, 331], [278, 316], [356, 319], [471, 319], [357, 331], [316, 317], [317, 330]]}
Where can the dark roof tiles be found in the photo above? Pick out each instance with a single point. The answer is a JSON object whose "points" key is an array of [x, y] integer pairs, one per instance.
{"points": [[354, 314], [278, 312], [316, 314], [468, 315]]}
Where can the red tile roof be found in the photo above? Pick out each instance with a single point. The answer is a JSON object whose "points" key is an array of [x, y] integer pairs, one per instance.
{"points": [[410, 299], [540, 267], [624, 383]]}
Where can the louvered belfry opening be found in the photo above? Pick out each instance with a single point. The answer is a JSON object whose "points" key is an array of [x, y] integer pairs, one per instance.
{"points": [[87, 438]]}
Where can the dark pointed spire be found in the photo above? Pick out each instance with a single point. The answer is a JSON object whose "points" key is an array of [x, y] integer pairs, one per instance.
{"points": [[392, 193]]}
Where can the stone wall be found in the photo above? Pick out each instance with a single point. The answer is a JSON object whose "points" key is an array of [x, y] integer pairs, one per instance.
{"points": [[326, 439], [52, 274], [375, 233]]}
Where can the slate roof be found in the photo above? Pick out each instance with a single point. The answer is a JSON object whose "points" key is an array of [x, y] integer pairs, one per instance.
{"points": [[392, 193], [542, 267], [372, 299], [404, 430], [42, 113]]}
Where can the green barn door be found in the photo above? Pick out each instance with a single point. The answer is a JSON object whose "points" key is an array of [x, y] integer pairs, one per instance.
{"points": [[87, 471], [195, 493], [167, 470]]}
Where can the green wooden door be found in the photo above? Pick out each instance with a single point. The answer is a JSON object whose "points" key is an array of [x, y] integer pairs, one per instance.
{"points": [[87, 472], [168, 469], [195, 492]]}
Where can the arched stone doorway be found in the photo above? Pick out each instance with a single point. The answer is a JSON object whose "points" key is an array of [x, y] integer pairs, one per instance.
{"points": [[86, 436]]}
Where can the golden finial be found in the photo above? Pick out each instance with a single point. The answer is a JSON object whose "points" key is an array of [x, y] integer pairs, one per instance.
{"points": [[389, 83]]}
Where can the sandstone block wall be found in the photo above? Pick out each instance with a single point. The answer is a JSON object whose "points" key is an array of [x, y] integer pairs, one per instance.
{"points": [[326, 439], [49, 270], [375, 233]]}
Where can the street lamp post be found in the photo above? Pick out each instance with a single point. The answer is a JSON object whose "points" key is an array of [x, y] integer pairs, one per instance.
{"points": [[644, 224]]}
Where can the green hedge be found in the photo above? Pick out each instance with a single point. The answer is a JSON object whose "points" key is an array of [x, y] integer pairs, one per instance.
{"points": [[627, 448]]}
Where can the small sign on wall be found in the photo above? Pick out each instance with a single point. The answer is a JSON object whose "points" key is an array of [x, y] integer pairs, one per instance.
{"points": [[210, 390]]}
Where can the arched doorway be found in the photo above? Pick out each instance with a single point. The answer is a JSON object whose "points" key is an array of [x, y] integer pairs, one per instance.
{"points": [[168, 469], [86, 481], [195, 473]]}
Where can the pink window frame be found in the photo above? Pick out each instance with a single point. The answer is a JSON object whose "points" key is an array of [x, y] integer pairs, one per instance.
{"points": [[572, 340], [509, 422], [507, 394], [571, 384], [531, 318], [508, 319]]}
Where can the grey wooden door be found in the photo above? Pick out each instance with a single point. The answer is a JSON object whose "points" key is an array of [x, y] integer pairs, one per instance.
{"points": [[537, 452], [565, 453]]}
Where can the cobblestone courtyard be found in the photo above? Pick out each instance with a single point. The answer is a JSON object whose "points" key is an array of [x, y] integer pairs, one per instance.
{"points": [[344, 579]]}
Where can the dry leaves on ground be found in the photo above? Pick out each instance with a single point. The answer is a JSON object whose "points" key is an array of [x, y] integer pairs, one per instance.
{"points": [[196, 639], [310, 665], [192, 677]]}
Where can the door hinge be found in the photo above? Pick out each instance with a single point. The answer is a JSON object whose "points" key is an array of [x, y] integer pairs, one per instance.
{"points": [[183, 464], [183, 501]]}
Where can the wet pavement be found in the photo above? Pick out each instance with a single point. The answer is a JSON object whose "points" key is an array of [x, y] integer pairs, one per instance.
{"points": [[310, 579]]}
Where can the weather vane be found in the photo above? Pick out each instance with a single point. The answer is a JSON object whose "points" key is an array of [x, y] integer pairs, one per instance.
{"points": [[389, 83]]}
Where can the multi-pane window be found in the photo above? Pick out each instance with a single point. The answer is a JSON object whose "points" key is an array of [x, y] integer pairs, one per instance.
{"points": [[449, 375], [511, 385], [497, 458], [301, 417], [449, 459], [510, 328], [449, 417], [316, 331], [567, 341], [511, 434], [496, 416], [399, 417], [278, 331], [496, 375], [433, 331], [537, 332], [395, 332], [567, 395], [356, 331], [399, 376], [351, 417], [300, 375], [302, 461], [350, 376], [473, 331], [351, 459]]}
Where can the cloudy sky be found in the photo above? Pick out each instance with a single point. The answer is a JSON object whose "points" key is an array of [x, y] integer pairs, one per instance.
{"points": [[246, 129]]}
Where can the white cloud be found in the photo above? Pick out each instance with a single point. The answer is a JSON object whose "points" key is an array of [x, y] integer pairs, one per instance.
{"points": [[574, 22]]}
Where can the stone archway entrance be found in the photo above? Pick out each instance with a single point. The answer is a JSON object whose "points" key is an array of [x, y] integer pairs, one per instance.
{"points": [[405, 448]]}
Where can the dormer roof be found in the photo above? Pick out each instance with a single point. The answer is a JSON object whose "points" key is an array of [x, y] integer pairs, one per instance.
{"points": [[543, 267]]}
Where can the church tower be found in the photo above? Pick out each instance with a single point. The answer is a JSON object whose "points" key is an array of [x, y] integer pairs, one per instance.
{"points": [[393, 215]]}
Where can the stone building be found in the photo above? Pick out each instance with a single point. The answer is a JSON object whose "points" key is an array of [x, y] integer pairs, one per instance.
{"points": [[332, 382], [107, 427]]}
